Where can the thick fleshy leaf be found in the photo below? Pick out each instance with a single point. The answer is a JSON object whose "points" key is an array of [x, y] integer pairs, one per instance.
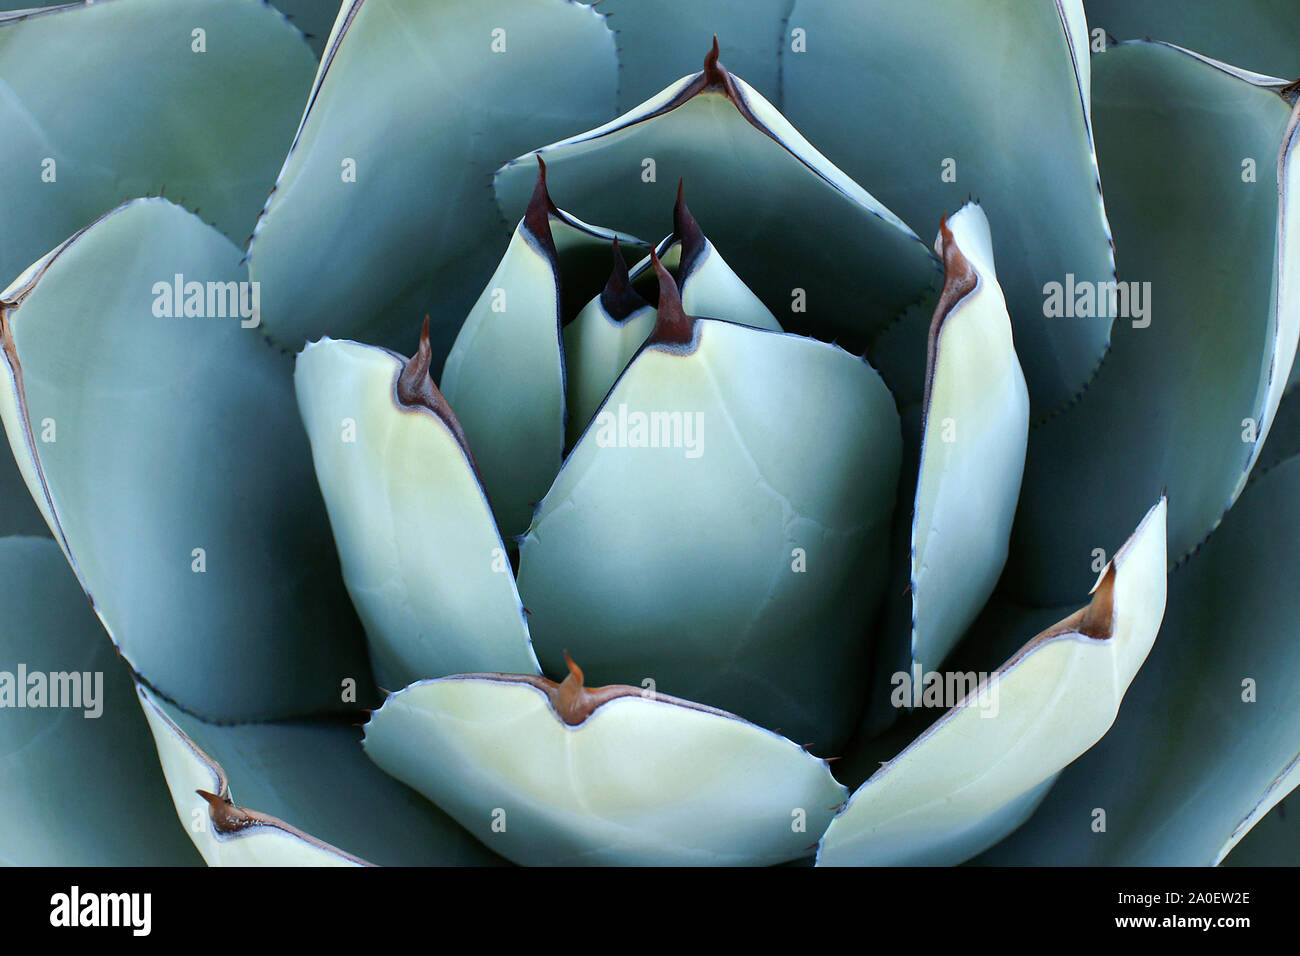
{"points": [[79, 782], [599, 343], [1209, 735], [709, 287], [647, 778], [994, 84], [292, 775], [659, 39], [976, 418], [390, 211], [598, 347], [165, 451], [1260, 35], [421, 555], [977, 772], [801, 233], [711, 533], [199, 99], [505, 373], [1194, 374]]}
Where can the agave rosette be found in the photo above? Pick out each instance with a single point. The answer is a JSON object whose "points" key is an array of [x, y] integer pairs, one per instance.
{"points": [[689, 551]]}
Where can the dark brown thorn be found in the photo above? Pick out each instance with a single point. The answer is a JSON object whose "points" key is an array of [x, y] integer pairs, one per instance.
{"points": [[618, 298], [673, 326], [715, 74], [687, 231], [537, 217], [415, 389]]}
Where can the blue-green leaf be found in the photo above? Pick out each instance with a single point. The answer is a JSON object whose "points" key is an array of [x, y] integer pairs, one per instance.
{"points": [[1194, 375], [159, 437], [103, 102], [709, 532], [981, 768], [422, 557], [976, 420], [1209, 735], [383, 215], [929, 103], [310, 797], [79, 783], [809, 241], [647, 779]]}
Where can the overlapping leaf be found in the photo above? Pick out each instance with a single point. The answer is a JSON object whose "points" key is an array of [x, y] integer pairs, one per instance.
{"points": [[1192, 380], [929, 103], [79, 782], [159, 437], [372, 225], [89, 120]]}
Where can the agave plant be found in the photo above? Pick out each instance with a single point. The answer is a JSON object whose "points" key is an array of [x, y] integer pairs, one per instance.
{"points": [[742, 525]]}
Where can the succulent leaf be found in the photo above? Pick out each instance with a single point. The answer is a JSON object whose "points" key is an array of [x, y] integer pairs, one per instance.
{"points": [[709, 287], [152, 113], [973, 447], [505, 374], [372, 150], [599, 343], [736, 152], [562, 775], [714, 440], [312, 774], [995, 88], [1209, 735], [421, 554], [79, 783], [1193, 377], [616, 323], [979, 770], [165, 452]]}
